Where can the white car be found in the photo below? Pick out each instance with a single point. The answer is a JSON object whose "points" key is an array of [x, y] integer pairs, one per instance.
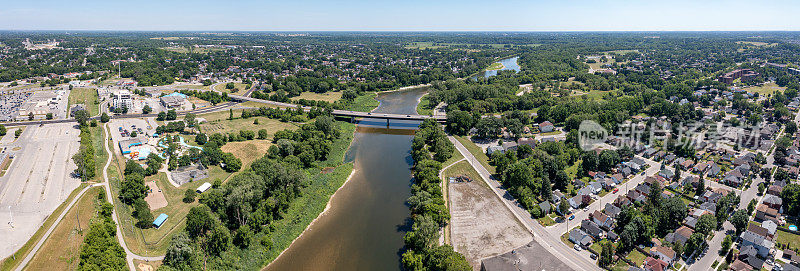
{"points": [[577, 247]]}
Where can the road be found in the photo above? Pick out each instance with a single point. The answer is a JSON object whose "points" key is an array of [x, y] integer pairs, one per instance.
{"points": [[130, 256], [552, 243]]}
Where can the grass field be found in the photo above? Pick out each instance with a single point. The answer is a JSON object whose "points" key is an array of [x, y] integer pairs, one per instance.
{"points": [[100, 155], [477, 152], [437, 45], [765, 89], [12, 261], [247, 151], [364, 103], [185, 50], [495, 66], [61, 250], [327, 96], [757, 43], [783, 237], [424, 106], [218, 122], [636, 257], [236, 85], [546, 220], [86, 96]]}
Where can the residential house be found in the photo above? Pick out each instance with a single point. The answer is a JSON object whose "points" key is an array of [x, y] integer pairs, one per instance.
{"points": [[546, 127], [664, 253], [738, 265], [592, 229], [580, 237], [773, 201], [749, 254], [612, 210], [602, 220], [764, 212], [761, 244], [652, 264], [545, 207], [681, 235], [774, 190]]}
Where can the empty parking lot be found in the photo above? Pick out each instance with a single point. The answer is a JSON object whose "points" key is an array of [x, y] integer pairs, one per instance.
{"points": [[38, 180]]}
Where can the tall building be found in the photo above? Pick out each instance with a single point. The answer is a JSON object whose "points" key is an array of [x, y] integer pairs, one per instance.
{"points": [[122, 98]]}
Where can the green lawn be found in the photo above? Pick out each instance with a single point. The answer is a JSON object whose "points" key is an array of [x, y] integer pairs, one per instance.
{"points": [[425, 107], [238, 88], [477, 152], [495, 66], [218, 122], [327, 96], [86, 96], [546, 220], [572, 171], [783, 237], [765, 89], [636, 257], [364, 103]]}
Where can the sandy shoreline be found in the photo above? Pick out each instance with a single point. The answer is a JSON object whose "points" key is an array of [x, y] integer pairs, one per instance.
{"points": [[324, 211]]}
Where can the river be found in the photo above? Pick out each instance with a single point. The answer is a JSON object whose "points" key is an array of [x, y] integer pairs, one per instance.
{"points": [[364, 227], [508, 64]]}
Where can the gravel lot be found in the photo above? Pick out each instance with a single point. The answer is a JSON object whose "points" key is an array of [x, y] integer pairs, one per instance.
{"points": [[480, 225]]}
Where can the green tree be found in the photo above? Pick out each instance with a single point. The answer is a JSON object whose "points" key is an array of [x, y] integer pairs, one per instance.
{"points": [[219, 240], [3, 130], [147, 109], [739, 219], [706, 223], [180, 253], [459, 122], [104, 117], [81, 116], [606, 254]]}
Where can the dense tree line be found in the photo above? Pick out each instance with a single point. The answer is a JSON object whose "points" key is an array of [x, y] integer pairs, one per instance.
{"points": [[430, 148], [100, 249], [85, 158], [240, 211]]}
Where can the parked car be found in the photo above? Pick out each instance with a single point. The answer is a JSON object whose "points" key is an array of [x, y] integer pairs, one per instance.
{"points": [[616, 190], [593, 256], [571, 217], [577, 247]]}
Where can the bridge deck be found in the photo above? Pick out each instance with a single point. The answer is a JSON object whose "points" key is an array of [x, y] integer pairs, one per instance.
{"points": [[345, 113]]}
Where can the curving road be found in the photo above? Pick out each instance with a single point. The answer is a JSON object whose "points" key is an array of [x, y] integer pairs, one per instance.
{"points": [[130, 255]]}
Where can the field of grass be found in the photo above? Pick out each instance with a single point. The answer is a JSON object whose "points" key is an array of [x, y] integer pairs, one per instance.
{"points": [[495, 66], [100, 155], [783, 237], [437, 45], [546, 220], [327, 96], [12, 261], [757, 43], [572, 171], [236, 85], [185, 50], [765, 89], [636, 257], [218, 122], [86, 96], [364, 103], [61, 250], [247, 151], [424, 107], [477, 152], [597, 94]]}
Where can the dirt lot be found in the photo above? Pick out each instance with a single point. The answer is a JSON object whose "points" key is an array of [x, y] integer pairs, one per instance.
{"points": [[155, 198], [480, 225]]}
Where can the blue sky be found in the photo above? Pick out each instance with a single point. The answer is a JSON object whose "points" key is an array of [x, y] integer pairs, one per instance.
{"points": [[400, 15]]}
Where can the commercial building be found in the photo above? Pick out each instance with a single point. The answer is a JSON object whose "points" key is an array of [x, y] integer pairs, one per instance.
{"points": [[745, 74], [174, 100], [122, 98]]}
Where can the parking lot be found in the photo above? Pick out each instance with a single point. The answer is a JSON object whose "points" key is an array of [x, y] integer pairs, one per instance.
{"points": [[38, 180]]}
